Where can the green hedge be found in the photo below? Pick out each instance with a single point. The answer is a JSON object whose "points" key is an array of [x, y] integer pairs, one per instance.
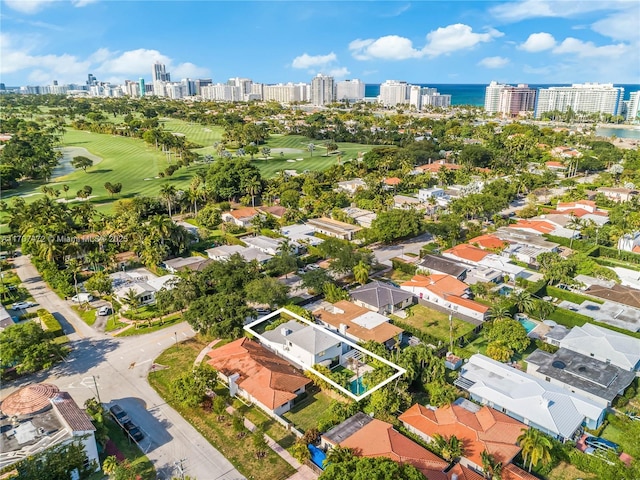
{"points": [[569, 296], [620, 255], [580, 245], [49, 323], [28, 316], [405, 267]]}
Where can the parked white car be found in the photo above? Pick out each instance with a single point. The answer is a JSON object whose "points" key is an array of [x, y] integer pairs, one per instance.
{"points": [[23, 305]]}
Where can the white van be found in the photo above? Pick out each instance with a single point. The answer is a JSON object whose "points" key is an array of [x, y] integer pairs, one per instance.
{"points": [[82, 298]]}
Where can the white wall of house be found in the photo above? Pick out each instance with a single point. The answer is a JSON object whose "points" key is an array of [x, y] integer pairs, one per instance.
{"points": [[308, 359]]}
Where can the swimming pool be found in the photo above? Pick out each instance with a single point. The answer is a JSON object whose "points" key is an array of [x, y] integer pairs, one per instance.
{"points": [[527, 324], [356, 387], [504, 290], [317, 455]]}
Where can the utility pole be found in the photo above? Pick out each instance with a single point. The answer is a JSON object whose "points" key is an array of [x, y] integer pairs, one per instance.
{"points": [[180, 468], [95, 385]]}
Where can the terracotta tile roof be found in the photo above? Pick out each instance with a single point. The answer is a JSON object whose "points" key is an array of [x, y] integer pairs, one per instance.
{"points": [[538, 226], [28, 400], [392, 181], [77, 419], [617, 293], [380, 439], [577, 204], [467, 303], [381, 333], [463, 473], [245, 212], [486, 429], [554, 164], [434, 167], [513, 472], [578, 212], [488, 242], [467, 252], [439, 284], [275, 210], [125, 256], [268, 378]]}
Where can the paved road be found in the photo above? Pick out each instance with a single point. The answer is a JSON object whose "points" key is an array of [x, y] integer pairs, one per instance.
{"points": [[384, 253], [117, 368]]}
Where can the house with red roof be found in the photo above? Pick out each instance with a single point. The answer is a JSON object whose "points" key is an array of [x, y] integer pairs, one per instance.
{"points": [[479, 429], [488, 242], [241, 217], [448, 292], [370, 437], [465, 253], [258, 375]]}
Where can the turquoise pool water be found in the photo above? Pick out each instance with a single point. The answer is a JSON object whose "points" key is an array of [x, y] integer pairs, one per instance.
{"points": [[505, 290], [356, 387], [528, 324]]}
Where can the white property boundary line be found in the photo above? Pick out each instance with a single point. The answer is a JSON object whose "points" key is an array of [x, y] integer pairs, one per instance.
{"points": [[399, 370]]}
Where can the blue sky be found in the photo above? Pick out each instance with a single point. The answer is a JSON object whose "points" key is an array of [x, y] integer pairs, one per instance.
{"points": [[526, 41]]}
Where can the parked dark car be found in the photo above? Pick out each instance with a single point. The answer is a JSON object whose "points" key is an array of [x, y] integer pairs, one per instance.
{"points": [[136, 433], [602, 444], [119, 414], [128, 426]]}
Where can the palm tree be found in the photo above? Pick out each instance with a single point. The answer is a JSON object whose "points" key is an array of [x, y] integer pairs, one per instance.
{"points": [[523, 301], [536, 447], [492, 469], [574, 224], [110, 465], [94, 257], [168, 193], [253, 187], [338, 454], [131, 299], [361, 272], [74, 266], [449, 448], [544, 309], [499, 310], [311, 147]]}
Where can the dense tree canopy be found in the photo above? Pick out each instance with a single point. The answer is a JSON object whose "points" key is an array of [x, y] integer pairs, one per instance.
{"points": [[28, 347], [365, 468]]}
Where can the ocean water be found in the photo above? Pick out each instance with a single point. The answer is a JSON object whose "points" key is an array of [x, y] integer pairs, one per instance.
{"points": [[473, 94]]}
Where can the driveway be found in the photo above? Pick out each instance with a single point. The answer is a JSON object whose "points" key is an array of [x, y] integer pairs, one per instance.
{"points": [[384, 253], [115, 369]]}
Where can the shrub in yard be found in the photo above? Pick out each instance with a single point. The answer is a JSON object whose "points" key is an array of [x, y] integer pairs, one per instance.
{"points": [[49, 323]]}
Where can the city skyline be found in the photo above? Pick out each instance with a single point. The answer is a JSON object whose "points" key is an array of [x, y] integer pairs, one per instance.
{"points": [[523, 41]]}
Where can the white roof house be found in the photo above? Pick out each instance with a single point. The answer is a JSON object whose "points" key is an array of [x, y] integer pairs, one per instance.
{"points": [[224, 252], [301, 234], [605, 345], [266, 244], [542, 405], [503, 265]]}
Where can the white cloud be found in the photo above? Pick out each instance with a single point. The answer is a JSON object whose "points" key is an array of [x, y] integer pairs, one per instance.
{"points": [[34, 6], [582, 49], [18, 55], [27, 6], [82, 3], [339, 72], [309, 61], [441, 41], [516, 11], [538, 42], [187, 70], [493, 62], [456, 37], [620, 26]]}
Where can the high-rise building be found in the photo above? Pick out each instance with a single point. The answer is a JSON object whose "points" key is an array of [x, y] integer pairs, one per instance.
{"points": [[141, 86], [633, 107], [322, 90], [159, 73], [509, 100], [492, 97], [91, 80], [350, 90], [435, 99], [282, 93], [394, 92], [581, 98], [221, 92]]}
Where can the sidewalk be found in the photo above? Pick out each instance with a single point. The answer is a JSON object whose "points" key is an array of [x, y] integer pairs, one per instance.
{"points": [[204, 352]]}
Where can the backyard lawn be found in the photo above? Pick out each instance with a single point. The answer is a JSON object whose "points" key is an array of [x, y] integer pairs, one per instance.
{"points": [[240, 452], [434, 323], [306, 414]]}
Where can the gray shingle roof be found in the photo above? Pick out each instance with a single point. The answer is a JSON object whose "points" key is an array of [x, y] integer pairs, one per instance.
{"points": [[380, 294], [442, 265]]}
